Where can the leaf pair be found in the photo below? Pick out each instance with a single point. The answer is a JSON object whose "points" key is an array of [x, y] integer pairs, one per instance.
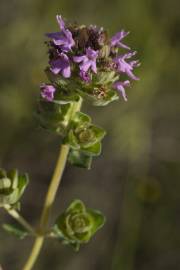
{"points": [[78, 224], [84, 139], [12, 186]]}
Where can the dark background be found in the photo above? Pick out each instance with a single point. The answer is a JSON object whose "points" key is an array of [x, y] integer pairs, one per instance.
{"points": [[136, 181]]}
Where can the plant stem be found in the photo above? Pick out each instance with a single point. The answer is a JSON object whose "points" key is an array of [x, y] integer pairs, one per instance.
{"points": [[50, 197], [20, 219]]}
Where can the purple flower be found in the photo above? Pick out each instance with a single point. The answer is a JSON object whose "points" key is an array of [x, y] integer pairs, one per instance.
{"points": [[125, 67], [64, 38], [120, 86], [47, 91], [61, 65], [87, 61], [117, 38], [84, 76]]}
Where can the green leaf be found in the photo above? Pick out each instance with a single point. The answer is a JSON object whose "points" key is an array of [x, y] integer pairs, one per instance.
{"points": [[10, 198], [54, 117], [2, 173], [79, 159], [83, 238], [23, 181], [15, 230], [65, 100], [59, 229], [72, 140], [76, 206], [81, 118], [98, 220], [13, 174], [94, 150], [12, 188], [76, 246], [99, 132], [5, 183], [63, 96]]}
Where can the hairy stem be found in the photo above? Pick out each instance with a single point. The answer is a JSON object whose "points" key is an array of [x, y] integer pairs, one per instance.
{"points": [[20, 219], [50, 197]]}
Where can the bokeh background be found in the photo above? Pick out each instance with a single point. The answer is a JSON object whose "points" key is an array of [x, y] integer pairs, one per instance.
{"points": [[136, 181]]}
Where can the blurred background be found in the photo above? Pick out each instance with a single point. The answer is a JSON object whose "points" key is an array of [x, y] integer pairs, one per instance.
{"points": [[136, 181]]}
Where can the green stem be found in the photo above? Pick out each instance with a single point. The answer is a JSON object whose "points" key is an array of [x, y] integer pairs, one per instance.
{"points": [[20, 219], [50, 197]]}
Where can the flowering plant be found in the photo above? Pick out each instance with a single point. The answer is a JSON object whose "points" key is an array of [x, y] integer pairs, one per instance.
{"points": [[84, 63]]}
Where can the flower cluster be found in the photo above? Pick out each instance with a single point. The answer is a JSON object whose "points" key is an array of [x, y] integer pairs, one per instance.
{"points": [[85, 58], [84, 63]]}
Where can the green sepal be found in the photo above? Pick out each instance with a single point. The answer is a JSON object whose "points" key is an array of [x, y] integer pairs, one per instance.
{"points": [[15, 230], [91, 96], [110, 97], [80, 159], [105, 77], [105, 51], [68, 90]]}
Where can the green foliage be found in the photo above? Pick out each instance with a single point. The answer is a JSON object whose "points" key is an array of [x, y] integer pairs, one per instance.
{"points": [[105, 77], [15, 230], [99, 92], [12, 186], [83, 134], [84, 139], [55, 116], [78, 224], [80, 159]]}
